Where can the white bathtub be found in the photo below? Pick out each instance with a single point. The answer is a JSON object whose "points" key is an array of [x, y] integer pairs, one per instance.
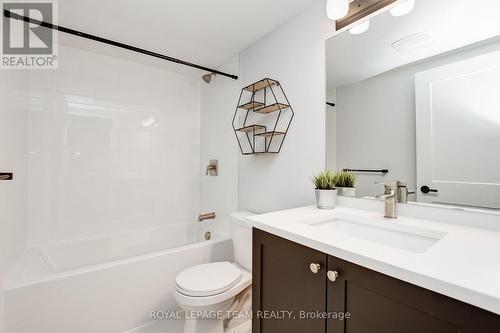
{"points": [[104, 284]]}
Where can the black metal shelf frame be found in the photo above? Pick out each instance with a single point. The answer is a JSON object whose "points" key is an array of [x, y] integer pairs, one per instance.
{"points": [[279, 108]]}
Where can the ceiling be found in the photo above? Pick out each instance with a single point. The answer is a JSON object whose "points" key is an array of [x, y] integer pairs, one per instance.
{"points": [[453, 24], [207, 32]]}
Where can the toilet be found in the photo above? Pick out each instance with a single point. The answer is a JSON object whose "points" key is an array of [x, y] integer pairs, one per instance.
{"points": [[207, 292]]}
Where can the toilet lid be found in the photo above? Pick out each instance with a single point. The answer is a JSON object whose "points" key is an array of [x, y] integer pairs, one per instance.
{"points": [[208, 279]]}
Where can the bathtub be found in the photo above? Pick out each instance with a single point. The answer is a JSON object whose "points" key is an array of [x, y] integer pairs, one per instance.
{"points": [[105, 284]]}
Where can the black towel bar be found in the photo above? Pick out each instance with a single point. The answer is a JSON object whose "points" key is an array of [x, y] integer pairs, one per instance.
{"points": [[384, 171]]}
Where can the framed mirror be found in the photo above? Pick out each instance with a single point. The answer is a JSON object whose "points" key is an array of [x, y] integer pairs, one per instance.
{"points": [[416, 99]]}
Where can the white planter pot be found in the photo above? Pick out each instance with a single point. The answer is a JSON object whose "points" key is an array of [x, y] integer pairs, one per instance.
{"points": [[326, 199], [347, 191]]}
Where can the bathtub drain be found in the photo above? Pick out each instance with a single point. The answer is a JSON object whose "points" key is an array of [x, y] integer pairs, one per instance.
{"points": [[208, 235]]}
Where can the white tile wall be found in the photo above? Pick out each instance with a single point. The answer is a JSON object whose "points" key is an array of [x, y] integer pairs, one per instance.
{"points": [[112, 145], [13, 149], [220, 194]]}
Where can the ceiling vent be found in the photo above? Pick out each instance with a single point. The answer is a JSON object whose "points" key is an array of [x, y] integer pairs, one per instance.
{"points": [[422, 41]]}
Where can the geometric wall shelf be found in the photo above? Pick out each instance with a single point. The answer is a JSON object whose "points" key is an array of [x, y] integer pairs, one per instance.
{"points": [[262, 118]]}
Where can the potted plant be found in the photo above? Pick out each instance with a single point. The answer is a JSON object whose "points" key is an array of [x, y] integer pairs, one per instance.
{"points": [[326, 193], [346, 184]]}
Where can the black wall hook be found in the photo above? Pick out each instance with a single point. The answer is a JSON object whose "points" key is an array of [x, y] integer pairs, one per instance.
{"points": [[6, 176]]}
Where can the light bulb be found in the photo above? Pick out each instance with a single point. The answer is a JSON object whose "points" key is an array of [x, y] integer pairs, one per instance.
{"points": [[337, 9], [360, 28], [403, 8]]}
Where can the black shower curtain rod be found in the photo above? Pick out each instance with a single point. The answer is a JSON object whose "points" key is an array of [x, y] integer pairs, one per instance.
{"points": [[48, 25]]}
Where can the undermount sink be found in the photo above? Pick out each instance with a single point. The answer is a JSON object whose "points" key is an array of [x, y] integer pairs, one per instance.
{"points": [[403, 237]]}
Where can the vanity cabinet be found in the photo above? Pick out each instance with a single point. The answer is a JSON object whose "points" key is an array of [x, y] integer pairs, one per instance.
{"points": [[285, 285], [284, 280]]}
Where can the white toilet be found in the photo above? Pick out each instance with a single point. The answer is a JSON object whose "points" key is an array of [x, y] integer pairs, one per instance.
{"points": [[207, 291]]}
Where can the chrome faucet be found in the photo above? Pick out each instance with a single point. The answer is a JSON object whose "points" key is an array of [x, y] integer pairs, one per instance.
{"points": [[208, 216], [403, 192], [390, 198]]}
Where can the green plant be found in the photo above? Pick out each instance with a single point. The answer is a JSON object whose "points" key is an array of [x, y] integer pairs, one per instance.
{"points": [[346, 179], [325, 180]]}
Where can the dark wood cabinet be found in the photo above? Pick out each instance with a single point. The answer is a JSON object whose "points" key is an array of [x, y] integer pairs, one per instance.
{"points": [[376, 303], [284, 285]]}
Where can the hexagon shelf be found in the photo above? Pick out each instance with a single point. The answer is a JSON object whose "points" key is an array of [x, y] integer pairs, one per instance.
{"points": [[262, 118]]}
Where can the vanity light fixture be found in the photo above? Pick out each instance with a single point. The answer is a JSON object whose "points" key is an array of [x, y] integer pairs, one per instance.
{"points": [[337, 9], [359, 28], [361, 11], [403, 8]]}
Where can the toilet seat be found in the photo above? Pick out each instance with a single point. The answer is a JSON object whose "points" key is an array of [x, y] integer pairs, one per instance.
{"points": [[208, 279], [202, 301]]}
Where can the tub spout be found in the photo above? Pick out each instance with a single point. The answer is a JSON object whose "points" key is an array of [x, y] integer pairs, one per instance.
{"points": [[208, 216]]}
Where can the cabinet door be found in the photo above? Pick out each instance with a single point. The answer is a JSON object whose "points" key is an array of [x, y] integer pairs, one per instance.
{"points": [[378, 303], [283, 281]]}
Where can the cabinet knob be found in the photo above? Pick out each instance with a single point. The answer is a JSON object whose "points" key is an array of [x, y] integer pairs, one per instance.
{"points": [[332, 275], [314, 268]]}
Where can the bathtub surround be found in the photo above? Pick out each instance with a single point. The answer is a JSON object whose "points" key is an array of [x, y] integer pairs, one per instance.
{"points": [[13, 203], [40, 262], [101, 158], [91, 149]]}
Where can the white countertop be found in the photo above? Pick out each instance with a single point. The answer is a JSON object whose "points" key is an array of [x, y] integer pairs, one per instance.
{"points": [[464, 264]]}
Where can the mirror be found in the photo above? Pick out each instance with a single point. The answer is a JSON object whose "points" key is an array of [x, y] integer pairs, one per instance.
{"points": [[418, 96]]}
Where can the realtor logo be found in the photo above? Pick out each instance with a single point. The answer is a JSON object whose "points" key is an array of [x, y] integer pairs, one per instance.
{"points": [[28, 45]]}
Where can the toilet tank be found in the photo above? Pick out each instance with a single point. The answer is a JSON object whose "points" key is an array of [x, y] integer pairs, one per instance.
{"points": [[241, 232]]}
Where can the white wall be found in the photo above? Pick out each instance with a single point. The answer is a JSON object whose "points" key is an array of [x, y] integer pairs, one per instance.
{"points": [[294, 54], [13, 158], [218, 101], [376, 121]]}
